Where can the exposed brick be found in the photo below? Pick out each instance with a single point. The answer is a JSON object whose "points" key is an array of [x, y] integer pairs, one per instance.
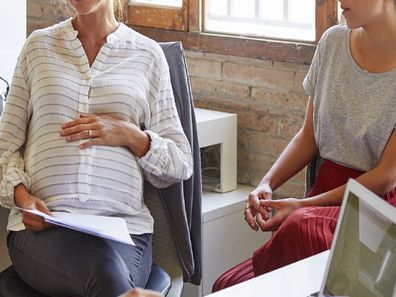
{"points": [[257, 76], [283, 101], [298, 83], [219, 89], [289, 126], [56, 12], [258, 122], [291, 66], [215, 57], [223, 105], [252, 167], [234, 59], [199, 103], [300, 177], [290, 189], [262, 143], [36, 25], [204, 68], [243, 139], [193, 54], [248, 61], [34, 10]]}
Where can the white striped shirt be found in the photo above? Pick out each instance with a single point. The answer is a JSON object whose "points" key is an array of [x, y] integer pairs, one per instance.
{"points": [[53, 83]]}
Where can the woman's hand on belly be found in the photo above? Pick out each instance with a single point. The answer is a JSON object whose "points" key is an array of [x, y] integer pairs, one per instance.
{"points": [[106, 130], [24, 200]]}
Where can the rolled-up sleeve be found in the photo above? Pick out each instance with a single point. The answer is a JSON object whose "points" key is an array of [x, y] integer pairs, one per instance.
{"points": [[169, 158], [13, 126]]}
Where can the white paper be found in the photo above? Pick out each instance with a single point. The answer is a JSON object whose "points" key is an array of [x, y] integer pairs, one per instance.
{"points": [[101, 226]]}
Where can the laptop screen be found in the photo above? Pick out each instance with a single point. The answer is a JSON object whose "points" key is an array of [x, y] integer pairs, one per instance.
{"points": [[363, 263]]}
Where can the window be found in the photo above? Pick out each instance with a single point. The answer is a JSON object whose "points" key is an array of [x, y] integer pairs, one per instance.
{"points": [[281, 30], [279, 19]]}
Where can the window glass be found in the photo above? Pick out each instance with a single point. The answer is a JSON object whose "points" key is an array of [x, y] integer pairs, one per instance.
{"points": [[279, 19], [172, 3]]}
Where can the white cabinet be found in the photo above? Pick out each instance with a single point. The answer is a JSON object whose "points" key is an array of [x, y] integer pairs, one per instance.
{"points": [[226, 238], [215, 127]]}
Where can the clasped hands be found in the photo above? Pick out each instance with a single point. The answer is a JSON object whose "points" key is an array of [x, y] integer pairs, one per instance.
{"points": [[259, 209]]}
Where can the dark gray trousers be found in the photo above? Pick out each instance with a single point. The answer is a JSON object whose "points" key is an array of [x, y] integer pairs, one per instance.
{"points": [[60, 262]]}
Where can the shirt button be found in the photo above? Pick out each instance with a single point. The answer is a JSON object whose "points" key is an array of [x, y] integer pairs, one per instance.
{"points": [[86, 76], [83, 197], [83, 107]]}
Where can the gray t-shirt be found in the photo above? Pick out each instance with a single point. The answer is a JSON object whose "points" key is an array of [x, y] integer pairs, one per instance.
{"points": [[354, 110]]}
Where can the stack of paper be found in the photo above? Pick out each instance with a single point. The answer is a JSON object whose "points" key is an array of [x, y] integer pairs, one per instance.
{"points": [[101, 226]]}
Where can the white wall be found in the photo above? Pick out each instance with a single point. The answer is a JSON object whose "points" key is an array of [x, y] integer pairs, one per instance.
{"points": [[12, 34], [12, 37]]}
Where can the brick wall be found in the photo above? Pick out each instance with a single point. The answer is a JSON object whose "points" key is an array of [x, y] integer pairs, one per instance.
{"points": [[269, 100], [267, 96]]}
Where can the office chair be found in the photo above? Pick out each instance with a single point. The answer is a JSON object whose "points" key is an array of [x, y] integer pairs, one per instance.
{"points": [[175, 262], [312, 172], [12, 286]]}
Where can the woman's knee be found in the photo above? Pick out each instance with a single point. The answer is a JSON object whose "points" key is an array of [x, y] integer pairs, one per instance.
{"points": [[109, 276], [292, 222]]}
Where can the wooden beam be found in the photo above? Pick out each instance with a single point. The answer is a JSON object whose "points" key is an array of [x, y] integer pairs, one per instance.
{"points": [[159, 17], [326, 16], [194, 17], [226, 45]]}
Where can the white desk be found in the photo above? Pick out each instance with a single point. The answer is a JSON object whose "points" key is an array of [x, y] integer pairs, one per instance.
{"points": [[295, 280]]}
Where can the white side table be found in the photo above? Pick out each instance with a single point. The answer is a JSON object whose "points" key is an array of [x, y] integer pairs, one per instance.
{"points": [[226, 238], [215, 127]]}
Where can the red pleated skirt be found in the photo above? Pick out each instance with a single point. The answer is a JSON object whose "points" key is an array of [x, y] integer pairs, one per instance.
{"points": [[304, 233]]}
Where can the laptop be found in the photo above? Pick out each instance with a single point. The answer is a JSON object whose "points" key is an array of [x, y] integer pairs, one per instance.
{"points": [[362, 260]]}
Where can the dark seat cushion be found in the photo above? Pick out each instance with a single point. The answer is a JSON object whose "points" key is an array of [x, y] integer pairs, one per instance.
{"points": [[159, 280], [12, 286]]}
